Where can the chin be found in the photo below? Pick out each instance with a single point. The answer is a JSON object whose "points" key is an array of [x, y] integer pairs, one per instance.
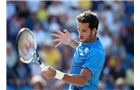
{"points": [[82, 40]]}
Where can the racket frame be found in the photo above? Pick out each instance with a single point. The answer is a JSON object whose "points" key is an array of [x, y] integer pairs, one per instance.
{"points": [[17, 40], [35, 57]]}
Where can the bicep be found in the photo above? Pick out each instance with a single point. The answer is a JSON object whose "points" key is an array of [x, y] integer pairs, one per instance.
{"points": [[86, 74], [78, 80]]}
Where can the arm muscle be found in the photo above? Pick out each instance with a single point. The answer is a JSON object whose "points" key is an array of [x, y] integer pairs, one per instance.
{"points": [[79, 80]]}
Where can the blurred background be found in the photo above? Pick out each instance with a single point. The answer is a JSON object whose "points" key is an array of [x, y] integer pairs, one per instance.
{"points": [[116, 32]]}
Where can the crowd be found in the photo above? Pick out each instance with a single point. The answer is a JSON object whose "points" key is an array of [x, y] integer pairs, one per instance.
{"points": [[116, 32]]}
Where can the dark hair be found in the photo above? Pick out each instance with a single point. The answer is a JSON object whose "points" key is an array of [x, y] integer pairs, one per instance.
{"points": [[88, 17]]}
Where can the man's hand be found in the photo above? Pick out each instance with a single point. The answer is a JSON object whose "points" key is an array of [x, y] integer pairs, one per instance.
{"points": [[62, 38], [50, 73]]}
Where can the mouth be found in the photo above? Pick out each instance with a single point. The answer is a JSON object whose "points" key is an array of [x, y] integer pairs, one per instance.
{"points": [[81, 37]]}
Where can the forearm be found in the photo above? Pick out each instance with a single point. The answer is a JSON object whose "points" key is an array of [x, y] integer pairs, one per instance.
{"points": [[74, 43], [77, 80]]}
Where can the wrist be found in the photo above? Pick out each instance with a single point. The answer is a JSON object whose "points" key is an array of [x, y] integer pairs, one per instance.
{"points": [[70, 42], [59, 75]]}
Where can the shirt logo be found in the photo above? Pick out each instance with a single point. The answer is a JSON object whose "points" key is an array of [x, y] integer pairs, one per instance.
{"points": [[83, 50]]}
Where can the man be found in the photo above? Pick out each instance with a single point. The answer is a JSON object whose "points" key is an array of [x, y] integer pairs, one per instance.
{"points": [[89, 57]]}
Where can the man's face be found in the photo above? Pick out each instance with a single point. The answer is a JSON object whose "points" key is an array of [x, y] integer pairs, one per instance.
{"points": [[85, 33]]}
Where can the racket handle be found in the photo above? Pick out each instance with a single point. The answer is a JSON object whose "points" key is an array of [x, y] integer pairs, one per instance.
{"points": [[44, 68]]}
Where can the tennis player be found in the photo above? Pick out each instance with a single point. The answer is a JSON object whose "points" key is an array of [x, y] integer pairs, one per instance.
{"points": [[89, 57]]}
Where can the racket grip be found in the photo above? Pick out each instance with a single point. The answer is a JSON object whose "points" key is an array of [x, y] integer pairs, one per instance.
{"points": [[44, 68]]}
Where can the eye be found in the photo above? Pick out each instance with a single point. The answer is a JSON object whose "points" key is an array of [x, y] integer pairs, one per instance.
{"points": [[83, 30]]}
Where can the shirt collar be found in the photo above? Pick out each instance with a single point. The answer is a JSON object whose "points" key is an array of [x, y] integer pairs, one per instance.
{"points": [[92, 43]]}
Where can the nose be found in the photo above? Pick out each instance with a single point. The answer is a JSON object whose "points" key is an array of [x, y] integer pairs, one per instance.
{"points": [[80, 33]]}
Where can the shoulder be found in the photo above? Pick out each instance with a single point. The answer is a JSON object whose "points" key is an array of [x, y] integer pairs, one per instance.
{"points": [[95, 55], [96, 50]]}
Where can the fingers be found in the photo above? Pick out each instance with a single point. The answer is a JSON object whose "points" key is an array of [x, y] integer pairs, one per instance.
{"points": [[66, 31], [57, 44], [60, 37], [55, 35], [46, 75], [58, 31], [55, 40]]}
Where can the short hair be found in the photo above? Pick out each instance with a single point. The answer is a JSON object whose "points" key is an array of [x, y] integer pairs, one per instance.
{"points": [[88, 17]]}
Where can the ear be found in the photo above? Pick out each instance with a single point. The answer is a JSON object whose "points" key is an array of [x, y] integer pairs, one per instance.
{"points": [[94, 30]]}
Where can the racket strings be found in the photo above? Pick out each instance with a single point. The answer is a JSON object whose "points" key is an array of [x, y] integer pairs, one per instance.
{"points": [[27, 46]]}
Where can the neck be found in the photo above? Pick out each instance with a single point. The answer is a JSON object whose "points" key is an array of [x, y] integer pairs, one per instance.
{"points": [[93, 39]]}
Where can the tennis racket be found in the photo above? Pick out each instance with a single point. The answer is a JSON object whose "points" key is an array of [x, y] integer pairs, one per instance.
{"points": [[26, 47]]}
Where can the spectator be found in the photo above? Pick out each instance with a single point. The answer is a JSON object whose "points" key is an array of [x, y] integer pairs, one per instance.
{"points": [[121, 84], [13, 26], [56, 12], [39, 33], [109, 15], [73, 12], [53, 22], [33, 5], [21, 75], [65, 63], [35, 69], [31, 20], [102, 85], [117, 48], [130, 76], [52, 55], [59, 85], [106, 38], [118, 9], [127, 39], [11, 58], [42, 13], [85, 5], [11, 61], [116, 72], [129, 8], [10, 10], [23, 10], [38, 83]]}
